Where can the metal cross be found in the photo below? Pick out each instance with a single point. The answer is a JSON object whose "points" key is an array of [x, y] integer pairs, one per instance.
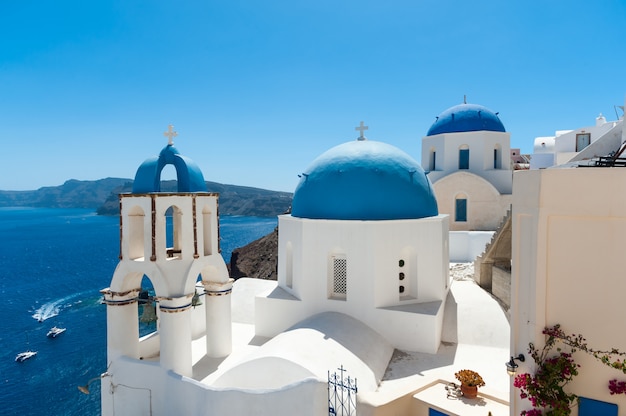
{"points": [[361, 129], [170, 134]]}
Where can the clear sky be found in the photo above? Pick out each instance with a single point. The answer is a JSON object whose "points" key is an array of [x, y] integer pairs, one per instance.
{"points": [[257, 89]]}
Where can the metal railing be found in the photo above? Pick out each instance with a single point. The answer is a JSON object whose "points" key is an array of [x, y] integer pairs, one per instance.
{"points": [[341, 394]]}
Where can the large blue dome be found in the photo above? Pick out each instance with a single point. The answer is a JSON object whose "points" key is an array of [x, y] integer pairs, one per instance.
{"points": [[364, 180], [466, 117]]}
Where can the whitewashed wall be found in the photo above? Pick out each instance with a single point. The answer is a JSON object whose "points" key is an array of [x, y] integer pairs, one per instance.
{"points": [[143, 388], [373, 250], [465, 246]]}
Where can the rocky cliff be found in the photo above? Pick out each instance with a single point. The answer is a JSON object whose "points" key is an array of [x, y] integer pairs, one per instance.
{"points": [[258, 259], [103, 194], [233, 200], [72, 194]]}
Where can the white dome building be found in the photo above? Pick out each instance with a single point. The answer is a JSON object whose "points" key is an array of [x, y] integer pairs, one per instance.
{"points": [[467, 154], [364, 239], [363, 271]]}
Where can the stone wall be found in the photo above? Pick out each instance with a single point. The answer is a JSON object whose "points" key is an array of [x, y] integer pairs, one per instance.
{"points": [[501, 285]]}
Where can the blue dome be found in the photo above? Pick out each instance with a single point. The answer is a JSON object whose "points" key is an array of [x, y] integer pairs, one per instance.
{"points": [[364, 180], [466, 117], [188, 174]]}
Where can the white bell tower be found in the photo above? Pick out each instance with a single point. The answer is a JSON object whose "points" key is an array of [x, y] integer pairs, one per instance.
{"points": [[173, 255]]}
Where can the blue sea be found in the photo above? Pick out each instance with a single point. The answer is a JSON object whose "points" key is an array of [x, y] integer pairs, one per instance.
{"points": [[53, 263]]}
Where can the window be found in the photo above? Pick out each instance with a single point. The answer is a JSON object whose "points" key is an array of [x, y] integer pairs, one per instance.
{"points": [[432, 163], [591, 407], [460, 212], [582, 141], [339, 269], [497, 157], [464, 157]]}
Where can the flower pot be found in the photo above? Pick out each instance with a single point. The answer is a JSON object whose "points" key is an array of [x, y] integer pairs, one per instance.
{"points": [[469, 392]]}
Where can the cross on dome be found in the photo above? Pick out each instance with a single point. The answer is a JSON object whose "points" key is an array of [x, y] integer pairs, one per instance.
{"points": [[361, 129], [170, 134]]}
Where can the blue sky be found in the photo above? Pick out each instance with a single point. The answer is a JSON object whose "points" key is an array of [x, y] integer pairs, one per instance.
{"points": [[258, 89]]}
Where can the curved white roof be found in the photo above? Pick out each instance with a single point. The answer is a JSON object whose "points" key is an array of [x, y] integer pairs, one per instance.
{"points": [[312, 348]]}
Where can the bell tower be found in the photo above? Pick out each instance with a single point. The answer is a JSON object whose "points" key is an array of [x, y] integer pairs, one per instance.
{"points": [[172, 238]]}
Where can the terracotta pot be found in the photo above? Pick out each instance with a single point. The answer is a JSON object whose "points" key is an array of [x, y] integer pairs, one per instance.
{"points": [[469, 392]]}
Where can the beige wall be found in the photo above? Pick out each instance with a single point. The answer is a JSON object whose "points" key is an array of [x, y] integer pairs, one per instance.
{"points": [[486, 207], [569, 236]]}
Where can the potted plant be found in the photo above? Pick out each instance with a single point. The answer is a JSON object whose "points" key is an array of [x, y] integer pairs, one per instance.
{"points": [[470, 382]]}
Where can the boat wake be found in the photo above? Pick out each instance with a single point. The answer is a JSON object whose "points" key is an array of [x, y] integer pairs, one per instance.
{"points": [[53, 308]]}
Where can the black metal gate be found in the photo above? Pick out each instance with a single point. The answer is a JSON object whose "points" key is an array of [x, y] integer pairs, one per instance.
{"points": [[341, 394]]}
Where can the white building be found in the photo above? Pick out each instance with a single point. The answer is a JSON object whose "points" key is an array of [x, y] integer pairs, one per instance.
{"points": [[467, 156], [363, 285], [577, 145], [363, 239]]}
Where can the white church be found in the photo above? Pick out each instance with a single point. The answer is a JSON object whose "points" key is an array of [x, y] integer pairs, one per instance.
{"points": [[363, 273], [467, 155], [364, 285]]}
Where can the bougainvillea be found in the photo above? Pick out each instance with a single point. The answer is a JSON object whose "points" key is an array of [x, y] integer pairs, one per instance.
{"points": [[617, 387], [555, 368]]}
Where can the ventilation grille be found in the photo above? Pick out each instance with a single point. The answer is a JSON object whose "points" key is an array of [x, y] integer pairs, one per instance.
{"points": [[340, 276]]}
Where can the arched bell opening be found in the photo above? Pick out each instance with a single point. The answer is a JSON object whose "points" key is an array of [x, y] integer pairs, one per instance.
{"points": [[207, 230], [168, 180], [136, 228], [148, 320], [146, 308], [173, 232]]}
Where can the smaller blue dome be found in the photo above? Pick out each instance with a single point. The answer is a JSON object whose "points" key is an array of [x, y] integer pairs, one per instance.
{"points": [[466, 117], [364, 180], [188, 174]]}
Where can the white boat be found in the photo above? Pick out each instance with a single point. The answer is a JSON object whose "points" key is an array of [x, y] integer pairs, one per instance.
{"points": [[54, 331], [23, 356]]}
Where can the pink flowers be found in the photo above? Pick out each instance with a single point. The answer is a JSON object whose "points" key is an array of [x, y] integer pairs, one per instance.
{"points": [[546, 388], [617, 387], [533, 412]]}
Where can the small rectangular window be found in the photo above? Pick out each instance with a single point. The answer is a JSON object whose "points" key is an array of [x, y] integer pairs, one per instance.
{"points": [[464, 159], [337, 277], [460, 213], [340, 276]]}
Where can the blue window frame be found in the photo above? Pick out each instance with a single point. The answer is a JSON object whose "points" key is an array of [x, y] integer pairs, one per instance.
{"points": [[463, 158], [460, 212], [591, 407]]}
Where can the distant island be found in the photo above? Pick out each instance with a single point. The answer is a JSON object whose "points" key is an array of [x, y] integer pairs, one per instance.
{"points": [[102, 196]]}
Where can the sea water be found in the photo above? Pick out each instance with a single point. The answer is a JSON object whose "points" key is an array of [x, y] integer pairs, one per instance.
{"points": [[53, 263]]}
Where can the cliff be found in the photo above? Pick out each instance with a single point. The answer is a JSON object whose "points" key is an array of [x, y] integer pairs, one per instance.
{"points": [[234, 199], [102, 195], [258, 259], [72, 194]]}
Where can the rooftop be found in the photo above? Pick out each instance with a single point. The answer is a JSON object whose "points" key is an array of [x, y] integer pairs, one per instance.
{"points": [[476, 336]]}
